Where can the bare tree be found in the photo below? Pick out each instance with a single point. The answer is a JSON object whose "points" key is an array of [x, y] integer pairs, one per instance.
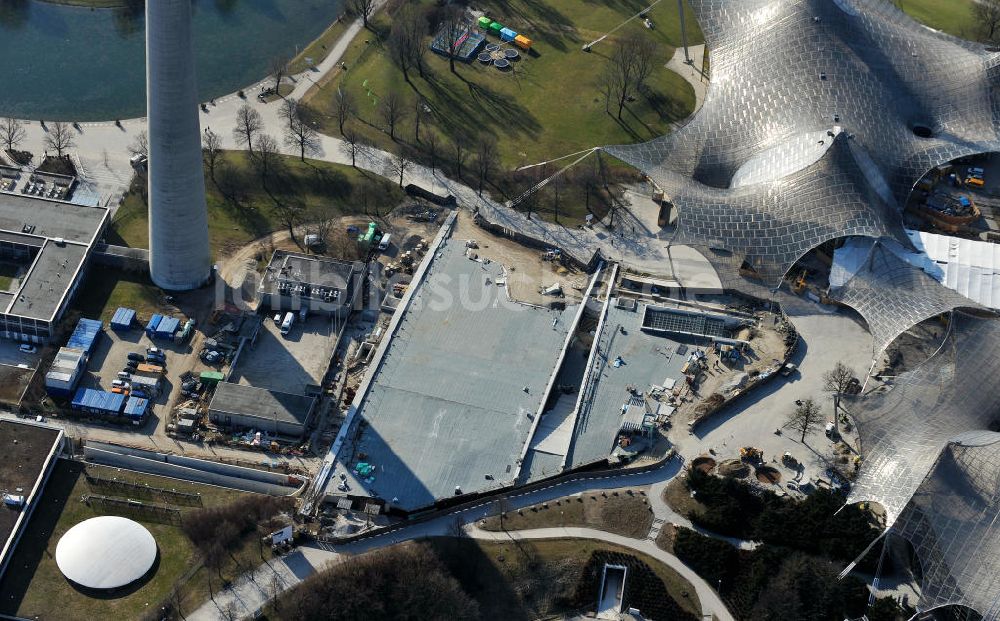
{"points": [[11, 133], [363, 9], [299, 134], [628, 69], [248, 125], [275, 588], [432, 146], [458, 150], [140, 146], [279, 69], [343, 107], [486, 155], [399, 165], [453, 27], [838, 381], [805, 418], [267, 160], [290, 211], [211, 150], [987, 19], [406, 40], [353, 145], [60, 138], [419, 109], [392, 111]]}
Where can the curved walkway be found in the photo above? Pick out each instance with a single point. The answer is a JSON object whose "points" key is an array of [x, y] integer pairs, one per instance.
{"points": [[711, 603], [254, 589]]}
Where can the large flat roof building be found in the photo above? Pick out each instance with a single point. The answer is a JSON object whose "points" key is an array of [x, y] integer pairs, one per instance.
{"points": [[293, 281], [453, 401], [29, 452], [271, 411], [53, 240]]}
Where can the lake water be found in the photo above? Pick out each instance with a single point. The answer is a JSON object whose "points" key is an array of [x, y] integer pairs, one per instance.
{"points": [[67, 63]]}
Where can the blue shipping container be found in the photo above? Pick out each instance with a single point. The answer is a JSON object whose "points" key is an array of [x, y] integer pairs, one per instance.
{"points": [[154, 321], [506, 34], [123, 319], [85, 335], [98, 401], [136, 407], [167, 327]]}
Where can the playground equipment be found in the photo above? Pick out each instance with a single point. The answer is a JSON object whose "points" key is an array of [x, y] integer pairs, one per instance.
{"points": [[505, 33]]}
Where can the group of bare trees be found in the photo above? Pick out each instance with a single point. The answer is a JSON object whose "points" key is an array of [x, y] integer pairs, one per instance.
{"points": [[59, 136], [625, 75], [987, 20], [406, 39], [807, 417]]}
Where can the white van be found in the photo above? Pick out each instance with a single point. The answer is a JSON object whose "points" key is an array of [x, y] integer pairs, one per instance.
{"points": [[384, 244], [286, 324]]}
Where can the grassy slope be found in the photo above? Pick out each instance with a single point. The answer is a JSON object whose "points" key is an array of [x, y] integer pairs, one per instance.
{"points": [[550, 104], [952, 16], [40, 590], [504, 577], [625, 515], [325, 190]]}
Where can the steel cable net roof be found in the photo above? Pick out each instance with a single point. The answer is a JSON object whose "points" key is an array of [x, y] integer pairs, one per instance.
{"points": [[893, 296], [952, 522], [904, 429], [785, 72]]}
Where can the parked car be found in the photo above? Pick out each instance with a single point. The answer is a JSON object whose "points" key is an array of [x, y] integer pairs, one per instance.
{"points": [[131, 365], [118, 383], [124, 375], [27, 349], [136, 357]]}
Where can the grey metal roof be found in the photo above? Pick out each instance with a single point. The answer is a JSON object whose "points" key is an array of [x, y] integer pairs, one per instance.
{"points": [[647, 359], [748, 174], [267, 405], [448, 406], [48, 280], [952, 522], [904, 429], [893, 296], [52, 219]]}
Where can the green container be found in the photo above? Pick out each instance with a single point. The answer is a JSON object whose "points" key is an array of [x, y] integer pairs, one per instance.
{"points": [[484, 22], [496, 27], [211, 378]]}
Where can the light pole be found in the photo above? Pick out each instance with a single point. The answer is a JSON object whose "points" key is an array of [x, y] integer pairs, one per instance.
{"points": [[684, 39]]}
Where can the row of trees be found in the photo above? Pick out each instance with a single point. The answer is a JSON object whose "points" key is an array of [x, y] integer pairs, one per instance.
{"points": [[59, 136]]}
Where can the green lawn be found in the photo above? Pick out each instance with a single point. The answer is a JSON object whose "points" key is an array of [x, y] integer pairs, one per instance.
{"points": [[952, 16], [106, 290], [33, 587], [318, 49], [240, 209], [549, 106]]}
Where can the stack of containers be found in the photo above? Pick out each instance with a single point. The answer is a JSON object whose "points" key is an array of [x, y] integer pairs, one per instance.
{"points": [[154, 322], [98, 402], [123, 319], [167, 327], [85, 336]]}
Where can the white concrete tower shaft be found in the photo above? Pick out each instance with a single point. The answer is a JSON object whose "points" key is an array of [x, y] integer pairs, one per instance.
{"points": [[179, 254]]}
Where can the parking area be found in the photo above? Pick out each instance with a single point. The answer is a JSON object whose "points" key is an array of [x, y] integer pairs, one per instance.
{"points": [[110, 357], [291, 362]]}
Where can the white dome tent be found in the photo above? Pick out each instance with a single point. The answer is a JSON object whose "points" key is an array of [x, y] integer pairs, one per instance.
{"points": [[106, 552]]}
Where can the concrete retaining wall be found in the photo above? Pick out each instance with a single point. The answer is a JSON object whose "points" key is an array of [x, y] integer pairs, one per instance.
{"points": [[191, 469]]}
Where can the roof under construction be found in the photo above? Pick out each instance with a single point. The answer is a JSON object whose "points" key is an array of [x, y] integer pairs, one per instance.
{"points": [[453, 403]]}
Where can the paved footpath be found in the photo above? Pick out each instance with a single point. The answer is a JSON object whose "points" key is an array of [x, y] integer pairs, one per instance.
{"points": [[253, 590], [102, 155]]}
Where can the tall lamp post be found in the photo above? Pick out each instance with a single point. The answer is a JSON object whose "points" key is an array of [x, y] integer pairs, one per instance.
{"points": [[684, 39]]}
